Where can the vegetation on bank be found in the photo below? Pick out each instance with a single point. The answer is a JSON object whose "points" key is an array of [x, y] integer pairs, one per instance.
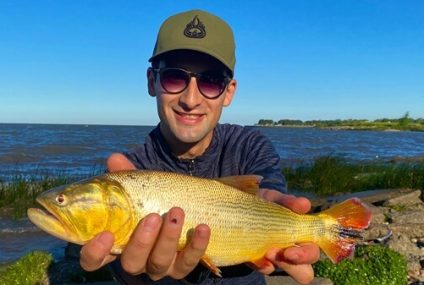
{"points": [[332, 175], [39, 267], [372, 265], [30, 269], [19, 194], [405, 123]]}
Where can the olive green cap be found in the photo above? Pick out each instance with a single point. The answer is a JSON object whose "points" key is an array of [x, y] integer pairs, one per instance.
{"points": [[199, 31]]}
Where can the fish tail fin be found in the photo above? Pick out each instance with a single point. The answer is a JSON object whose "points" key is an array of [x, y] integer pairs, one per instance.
{"points": [[351, 218]]}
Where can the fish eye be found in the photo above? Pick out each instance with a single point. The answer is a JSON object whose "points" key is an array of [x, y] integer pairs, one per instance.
{"points": [[60, 199]]}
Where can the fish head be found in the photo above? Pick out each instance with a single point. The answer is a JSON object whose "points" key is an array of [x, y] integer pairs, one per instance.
{"points": [[79, 211]]}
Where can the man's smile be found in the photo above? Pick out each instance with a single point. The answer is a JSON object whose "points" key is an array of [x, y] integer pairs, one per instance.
{"points": [[189, 118]]}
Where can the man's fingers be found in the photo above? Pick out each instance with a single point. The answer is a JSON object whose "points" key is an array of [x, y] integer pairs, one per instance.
{"points": [[96, 252], [141, 243], [188, 259], [302, 273], [165, 250], [297, 204], [305, 254], [296, 261], [117, 162]]}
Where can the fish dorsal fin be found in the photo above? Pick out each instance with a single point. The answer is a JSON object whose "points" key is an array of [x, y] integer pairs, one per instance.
{"points": [[245, 183]]}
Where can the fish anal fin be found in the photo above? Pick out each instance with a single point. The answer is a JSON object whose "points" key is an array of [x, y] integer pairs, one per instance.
{"points": [[338, 250], [260, 263], [207, 262], [245, 183], [116, 250]]}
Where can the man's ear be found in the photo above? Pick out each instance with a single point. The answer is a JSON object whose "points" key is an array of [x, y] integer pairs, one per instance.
{"points": [[229, 92], [151, 82]]}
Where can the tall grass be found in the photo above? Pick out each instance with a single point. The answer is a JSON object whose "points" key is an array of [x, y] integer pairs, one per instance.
{"points": [[19, 193], [331, 175]]}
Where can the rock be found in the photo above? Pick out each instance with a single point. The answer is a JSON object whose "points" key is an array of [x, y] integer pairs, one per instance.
{"points": [[377, 197], [375, 231], [379, 214], [408, 216], [409, 230], [402, 244], [408, 199]]}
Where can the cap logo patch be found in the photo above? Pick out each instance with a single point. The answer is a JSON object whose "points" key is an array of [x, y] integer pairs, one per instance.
{"points": [[195, 29]]}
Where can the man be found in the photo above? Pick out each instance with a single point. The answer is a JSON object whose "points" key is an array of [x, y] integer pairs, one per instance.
{"points": [[192, 80]]}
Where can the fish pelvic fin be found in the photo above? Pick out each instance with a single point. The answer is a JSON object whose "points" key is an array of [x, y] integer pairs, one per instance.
{"points": [[245, 183], [207, 262], [351, 218]]}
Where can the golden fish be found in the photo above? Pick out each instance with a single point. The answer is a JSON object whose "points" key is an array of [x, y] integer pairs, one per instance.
{"points": [[243, 226]]}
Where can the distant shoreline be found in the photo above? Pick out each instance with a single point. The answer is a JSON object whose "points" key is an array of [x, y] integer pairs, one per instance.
{"points": [[404, 123], [349, 128]]}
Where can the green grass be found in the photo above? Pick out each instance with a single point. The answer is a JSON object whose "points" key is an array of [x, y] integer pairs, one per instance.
{"points": [[30, 269], [372, 265], [18, 193], [38, 267], [331, 175]]}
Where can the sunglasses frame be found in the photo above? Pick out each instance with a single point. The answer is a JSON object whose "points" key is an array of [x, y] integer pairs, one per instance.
{"points": [[190, 74]]}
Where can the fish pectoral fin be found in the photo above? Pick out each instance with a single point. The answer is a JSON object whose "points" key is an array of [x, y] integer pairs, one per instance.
{"points": [[259, 263], [207, 262], [245, 183]]}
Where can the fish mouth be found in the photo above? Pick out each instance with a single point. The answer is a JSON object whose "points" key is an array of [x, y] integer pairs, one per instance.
{"points": [[47, 220]]}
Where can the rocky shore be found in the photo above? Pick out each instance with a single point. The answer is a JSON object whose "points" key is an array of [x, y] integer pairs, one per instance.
{"points": [[398, 223]]}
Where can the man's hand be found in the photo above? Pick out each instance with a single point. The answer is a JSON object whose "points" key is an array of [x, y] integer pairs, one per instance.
{"points": [[152, 248], [296, 261]]}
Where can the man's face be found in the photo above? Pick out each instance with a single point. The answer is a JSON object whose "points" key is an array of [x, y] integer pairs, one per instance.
{"points": [[188, 117]]}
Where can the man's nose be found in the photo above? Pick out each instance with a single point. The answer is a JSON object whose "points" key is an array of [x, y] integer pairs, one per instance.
{"points": [[191, 97]]}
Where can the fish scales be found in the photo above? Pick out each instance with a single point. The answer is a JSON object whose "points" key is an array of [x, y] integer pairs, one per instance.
{"points": [[237, 220]]}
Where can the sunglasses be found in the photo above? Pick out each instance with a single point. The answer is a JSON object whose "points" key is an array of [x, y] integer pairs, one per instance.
{"points": [[211, 84]]}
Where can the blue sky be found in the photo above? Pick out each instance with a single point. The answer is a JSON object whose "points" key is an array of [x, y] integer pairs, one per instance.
{"points": [[84, 62]]}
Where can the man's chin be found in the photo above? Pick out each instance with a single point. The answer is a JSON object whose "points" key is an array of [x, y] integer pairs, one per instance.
{"points": [[189, 139]]}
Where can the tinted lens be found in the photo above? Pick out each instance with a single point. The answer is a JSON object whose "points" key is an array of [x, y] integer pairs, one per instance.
{"points": [[211, 85], [174, 80]]}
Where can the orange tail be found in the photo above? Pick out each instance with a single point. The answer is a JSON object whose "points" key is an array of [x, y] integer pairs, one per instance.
{"points": [[352, 217]]}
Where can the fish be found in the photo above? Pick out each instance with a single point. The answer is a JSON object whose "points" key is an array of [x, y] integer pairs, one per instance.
{"points": [[243, 225]]}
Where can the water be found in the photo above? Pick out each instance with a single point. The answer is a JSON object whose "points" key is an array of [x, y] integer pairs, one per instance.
{"points": [[81, 150], [20, 237], [32, 150], [299, 145]]}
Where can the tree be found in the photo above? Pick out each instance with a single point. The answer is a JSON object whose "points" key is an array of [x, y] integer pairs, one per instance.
{"points": [[404, 121]]}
